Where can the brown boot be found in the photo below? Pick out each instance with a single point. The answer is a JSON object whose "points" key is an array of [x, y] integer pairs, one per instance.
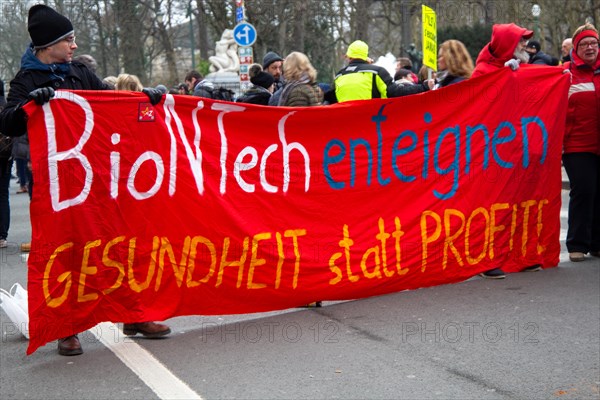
{"points": [[69, 346], [148, 329], [312, 305], [25, 247]]}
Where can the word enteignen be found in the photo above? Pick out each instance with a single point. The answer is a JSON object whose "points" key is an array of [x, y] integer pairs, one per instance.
{"points": [[454, 140]]}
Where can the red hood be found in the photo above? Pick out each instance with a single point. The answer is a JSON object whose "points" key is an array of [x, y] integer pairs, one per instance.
{"points": [[505, 38]]}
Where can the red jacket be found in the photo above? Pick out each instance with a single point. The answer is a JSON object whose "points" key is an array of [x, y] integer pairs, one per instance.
{"points": [[583, 123], [505, 38]]}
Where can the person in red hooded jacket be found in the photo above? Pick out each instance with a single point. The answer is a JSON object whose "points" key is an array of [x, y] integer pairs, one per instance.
{"points": [[507, 48], [581, 146]]}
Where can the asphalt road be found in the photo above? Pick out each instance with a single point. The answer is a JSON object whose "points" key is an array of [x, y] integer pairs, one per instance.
{"points": [[530, 336]]}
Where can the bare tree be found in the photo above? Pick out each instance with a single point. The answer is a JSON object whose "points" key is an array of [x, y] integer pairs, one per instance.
{"points": [[108, 61], [360, 19], [202, 20], [14, 31], [162, 20], [127, 35], [130, 16], [219, 13]]}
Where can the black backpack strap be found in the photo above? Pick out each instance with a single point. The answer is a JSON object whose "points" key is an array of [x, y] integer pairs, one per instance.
{"points": [[374, 89]]}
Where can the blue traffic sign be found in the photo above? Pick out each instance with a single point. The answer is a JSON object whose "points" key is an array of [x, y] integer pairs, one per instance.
{"points": [[239, 14], [244, 34]]}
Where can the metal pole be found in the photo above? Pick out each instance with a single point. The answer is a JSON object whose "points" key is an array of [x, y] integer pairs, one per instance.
{"points": [[536, 11]]}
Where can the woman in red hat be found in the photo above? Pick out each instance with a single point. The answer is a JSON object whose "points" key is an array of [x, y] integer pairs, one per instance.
{"points": [[581, 147]]}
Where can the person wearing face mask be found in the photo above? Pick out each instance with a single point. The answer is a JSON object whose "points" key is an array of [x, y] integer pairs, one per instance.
{"points": [[506, 49], [537, 56]]}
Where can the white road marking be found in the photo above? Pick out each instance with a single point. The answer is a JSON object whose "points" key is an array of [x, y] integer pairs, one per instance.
{"points": [[564, 213], [151, 371]]}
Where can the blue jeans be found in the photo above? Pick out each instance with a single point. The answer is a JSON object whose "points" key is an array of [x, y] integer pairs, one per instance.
{"points": [[5, 169]]}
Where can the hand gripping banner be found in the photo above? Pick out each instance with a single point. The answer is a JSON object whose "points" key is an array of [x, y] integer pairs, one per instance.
{"points": [[195, 206]]}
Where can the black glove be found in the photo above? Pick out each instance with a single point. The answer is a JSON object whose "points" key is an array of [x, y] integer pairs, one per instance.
{"points": [[153, 94], [41, 95]]}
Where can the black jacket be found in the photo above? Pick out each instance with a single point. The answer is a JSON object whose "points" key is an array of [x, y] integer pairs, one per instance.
{"points": [[13, 120], [541, 58], [451, 79], [255, 95]]}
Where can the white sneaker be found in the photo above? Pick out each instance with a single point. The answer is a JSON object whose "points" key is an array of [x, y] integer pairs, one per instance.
{"points": [[3, 243]]}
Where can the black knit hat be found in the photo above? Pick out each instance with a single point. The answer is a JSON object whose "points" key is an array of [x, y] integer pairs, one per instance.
{"points": [[532, 44], [270, 58], [46, 27], [262, 79]]}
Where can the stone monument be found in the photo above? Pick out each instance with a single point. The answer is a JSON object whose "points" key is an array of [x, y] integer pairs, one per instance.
{"points": [[225, 64], [226, 58]]}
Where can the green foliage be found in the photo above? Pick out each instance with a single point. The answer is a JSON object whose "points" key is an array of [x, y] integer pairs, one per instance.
{"points": [[203, 67], [474, 37]]}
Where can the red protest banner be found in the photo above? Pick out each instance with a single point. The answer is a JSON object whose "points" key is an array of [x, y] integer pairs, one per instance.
{"points": [[193, 206]]}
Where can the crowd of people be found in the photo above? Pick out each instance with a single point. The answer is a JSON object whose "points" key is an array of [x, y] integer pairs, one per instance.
{"points": [[49, 64]]}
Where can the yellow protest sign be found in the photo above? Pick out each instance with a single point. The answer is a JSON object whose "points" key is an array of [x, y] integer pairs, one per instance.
{"points": [[429, 37]]}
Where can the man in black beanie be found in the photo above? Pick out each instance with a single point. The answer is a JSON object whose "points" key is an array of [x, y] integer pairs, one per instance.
{"points": [[47, 66], [272, 63]]}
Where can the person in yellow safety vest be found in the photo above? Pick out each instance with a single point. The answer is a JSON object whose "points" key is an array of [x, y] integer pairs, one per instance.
{"points": [[361, 80]]}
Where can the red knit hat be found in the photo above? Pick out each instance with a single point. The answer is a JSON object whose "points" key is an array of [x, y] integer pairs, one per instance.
{"points": [[582, 35]]}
